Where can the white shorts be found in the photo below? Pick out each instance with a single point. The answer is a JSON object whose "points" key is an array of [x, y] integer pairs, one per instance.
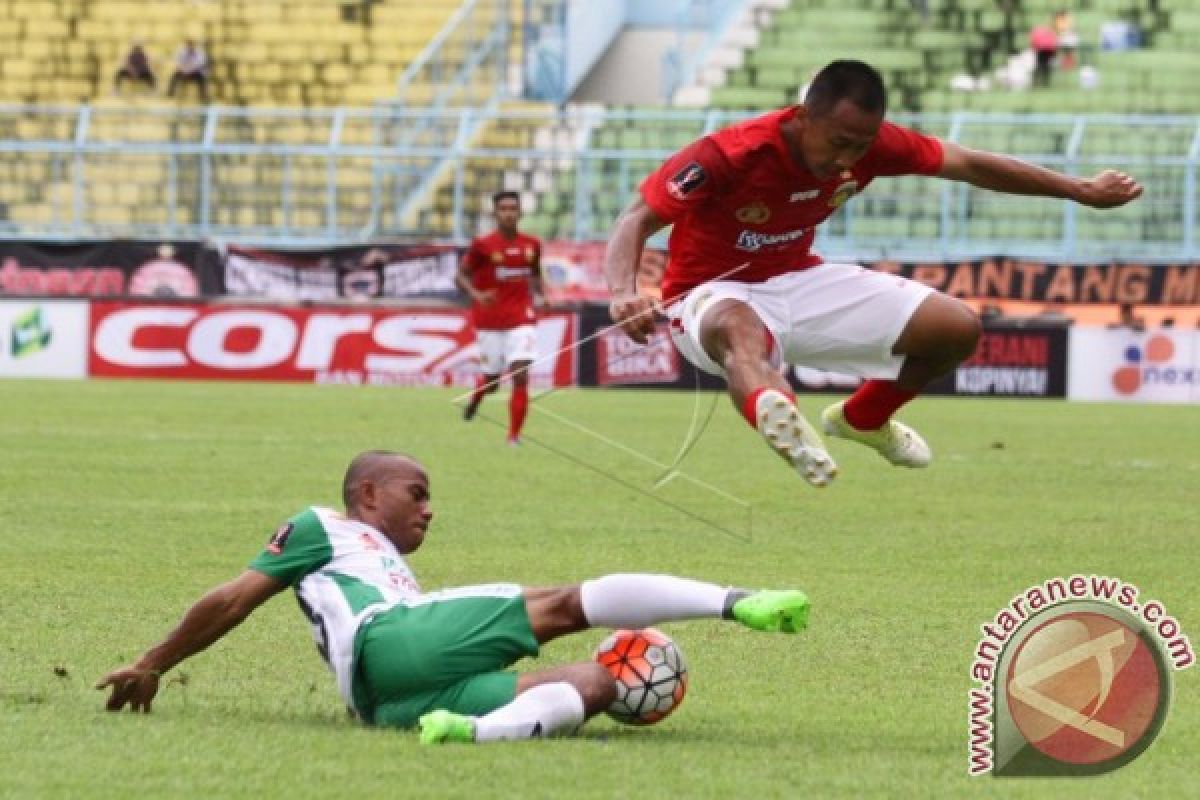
{"points": [[836, 317], [499, 349]]}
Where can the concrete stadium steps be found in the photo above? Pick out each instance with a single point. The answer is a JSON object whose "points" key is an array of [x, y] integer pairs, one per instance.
{"points": [[919, 56]]}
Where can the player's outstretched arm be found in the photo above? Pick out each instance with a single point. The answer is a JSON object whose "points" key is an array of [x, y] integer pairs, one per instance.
{"points": [[1107, 189], [633, 312], [210, 618]]}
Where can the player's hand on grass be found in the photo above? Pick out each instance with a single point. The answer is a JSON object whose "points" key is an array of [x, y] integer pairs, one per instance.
{"points": [[131, 686], [1108, 189], [635, 314], [485, 297]]}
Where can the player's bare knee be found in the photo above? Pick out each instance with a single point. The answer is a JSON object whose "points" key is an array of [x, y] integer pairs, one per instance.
{"points": [[570, 607], [595, 685], [555, 611], [734, 337], [963, 329]]}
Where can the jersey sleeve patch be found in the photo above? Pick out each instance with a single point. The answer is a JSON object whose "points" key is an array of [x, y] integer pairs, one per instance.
{"points": [[687, 180], [298, 547]]}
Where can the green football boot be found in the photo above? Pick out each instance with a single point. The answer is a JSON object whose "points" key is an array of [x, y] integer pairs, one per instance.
{"points": [[444, 726], [785, 610]]}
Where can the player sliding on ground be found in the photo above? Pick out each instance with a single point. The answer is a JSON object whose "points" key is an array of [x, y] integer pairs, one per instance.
{"points": [[745, 293], [403, 657]]}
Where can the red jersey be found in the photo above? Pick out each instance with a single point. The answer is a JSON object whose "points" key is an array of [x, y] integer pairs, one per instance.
{"points": [[737, 198], [506, 266]]}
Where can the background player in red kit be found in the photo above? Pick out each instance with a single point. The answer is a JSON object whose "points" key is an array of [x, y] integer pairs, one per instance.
{"points": [[745, 293], [502, 275]]}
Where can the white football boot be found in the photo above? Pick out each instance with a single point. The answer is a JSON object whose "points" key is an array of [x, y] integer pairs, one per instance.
{"points": [[790, 435], [895, 441]]}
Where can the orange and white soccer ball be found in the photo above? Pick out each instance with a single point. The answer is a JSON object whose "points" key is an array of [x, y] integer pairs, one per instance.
{"points": [[650, 672]]}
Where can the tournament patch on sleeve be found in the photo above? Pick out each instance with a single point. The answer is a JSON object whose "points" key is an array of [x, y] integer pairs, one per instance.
{"points": [[687, 180], [296, 548], [279, 539]]}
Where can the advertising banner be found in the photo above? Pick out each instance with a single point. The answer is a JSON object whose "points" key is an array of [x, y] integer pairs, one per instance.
{"points": [[46, 339], [574, 271], [1004, 278], [620, 361], [420, 346], [102, 269], [343, 272], [1009, 362], [1153, 366]]}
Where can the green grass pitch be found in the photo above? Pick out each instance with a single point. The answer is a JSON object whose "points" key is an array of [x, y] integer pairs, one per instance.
{"points": [[122, 502]]}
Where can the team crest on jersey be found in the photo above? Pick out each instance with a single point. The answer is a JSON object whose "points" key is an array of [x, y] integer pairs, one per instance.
{"points": [[754, 214], [368, 542], [278, 539], [843, 192], [687, 180], [529, 254], [497, 256]]}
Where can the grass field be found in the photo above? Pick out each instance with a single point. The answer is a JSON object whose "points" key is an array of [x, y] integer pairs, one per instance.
{"points": [[122, 502]]}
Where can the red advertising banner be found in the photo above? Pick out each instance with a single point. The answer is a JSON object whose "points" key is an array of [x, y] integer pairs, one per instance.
{"points": [[357, 346], [621, 361]]}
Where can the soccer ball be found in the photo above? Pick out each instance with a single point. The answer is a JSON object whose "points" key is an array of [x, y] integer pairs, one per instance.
{"points": [[650, 672]]}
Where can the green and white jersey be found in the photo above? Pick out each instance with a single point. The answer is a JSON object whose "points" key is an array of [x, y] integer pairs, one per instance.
{"points": [[343, 572]]}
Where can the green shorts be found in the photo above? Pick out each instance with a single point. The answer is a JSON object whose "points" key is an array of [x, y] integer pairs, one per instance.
{"points": [[446, 650]]}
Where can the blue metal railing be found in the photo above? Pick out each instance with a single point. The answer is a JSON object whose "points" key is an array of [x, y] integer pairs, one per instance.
{"points": [[321, 176]]}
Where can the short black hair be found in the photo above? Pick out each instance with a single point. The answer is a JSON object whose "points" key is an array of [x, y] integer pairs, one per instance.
{"points": [[856, 81], [507, 194], [367, 465]]}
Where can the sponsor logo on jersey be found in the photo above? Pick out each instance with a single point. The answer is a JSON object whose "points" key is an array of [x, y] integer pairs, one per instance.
{"points": [[511, 273], [807, 194], [753, 241], [754, 214], [279, 538], [843, 192], [687, 180]]}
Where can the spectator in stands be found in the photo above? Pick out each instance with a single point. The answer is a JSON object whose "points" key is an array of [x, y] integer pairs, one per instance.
{"points": [[191, 66], [1127, 319], [1044, 43], [1067, 39], [135, 67]]}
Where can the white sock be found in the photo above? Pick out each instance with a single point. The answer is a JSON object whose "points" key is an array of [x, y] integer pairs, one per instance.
{"points": [[635, 601], [541, 711]]}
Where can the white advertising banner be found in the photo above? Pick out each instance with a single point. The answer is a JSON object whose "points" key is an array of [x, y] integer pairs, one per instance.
{"points": [[1154, 366], [43, 339]]}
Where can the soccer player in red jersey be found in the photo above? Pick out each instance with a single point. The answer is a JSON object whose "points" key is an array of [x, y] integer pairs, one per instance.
{"points": [[745, 293], [502, 275]]}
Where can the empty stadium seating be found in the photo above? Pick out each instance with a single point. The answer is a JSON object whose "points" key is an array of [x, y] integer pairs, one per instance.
{"points": [[286, 53]]}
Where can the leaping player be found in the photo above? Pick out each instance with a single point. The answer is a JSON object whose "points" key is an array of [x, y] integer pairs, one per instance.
{"points": [[745, 293]]}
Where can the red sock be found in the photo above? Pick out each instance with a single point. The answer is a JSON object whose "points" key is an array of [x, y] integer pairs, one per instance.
{"points": [[750, 404], [518, 404], [874, 403]]}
